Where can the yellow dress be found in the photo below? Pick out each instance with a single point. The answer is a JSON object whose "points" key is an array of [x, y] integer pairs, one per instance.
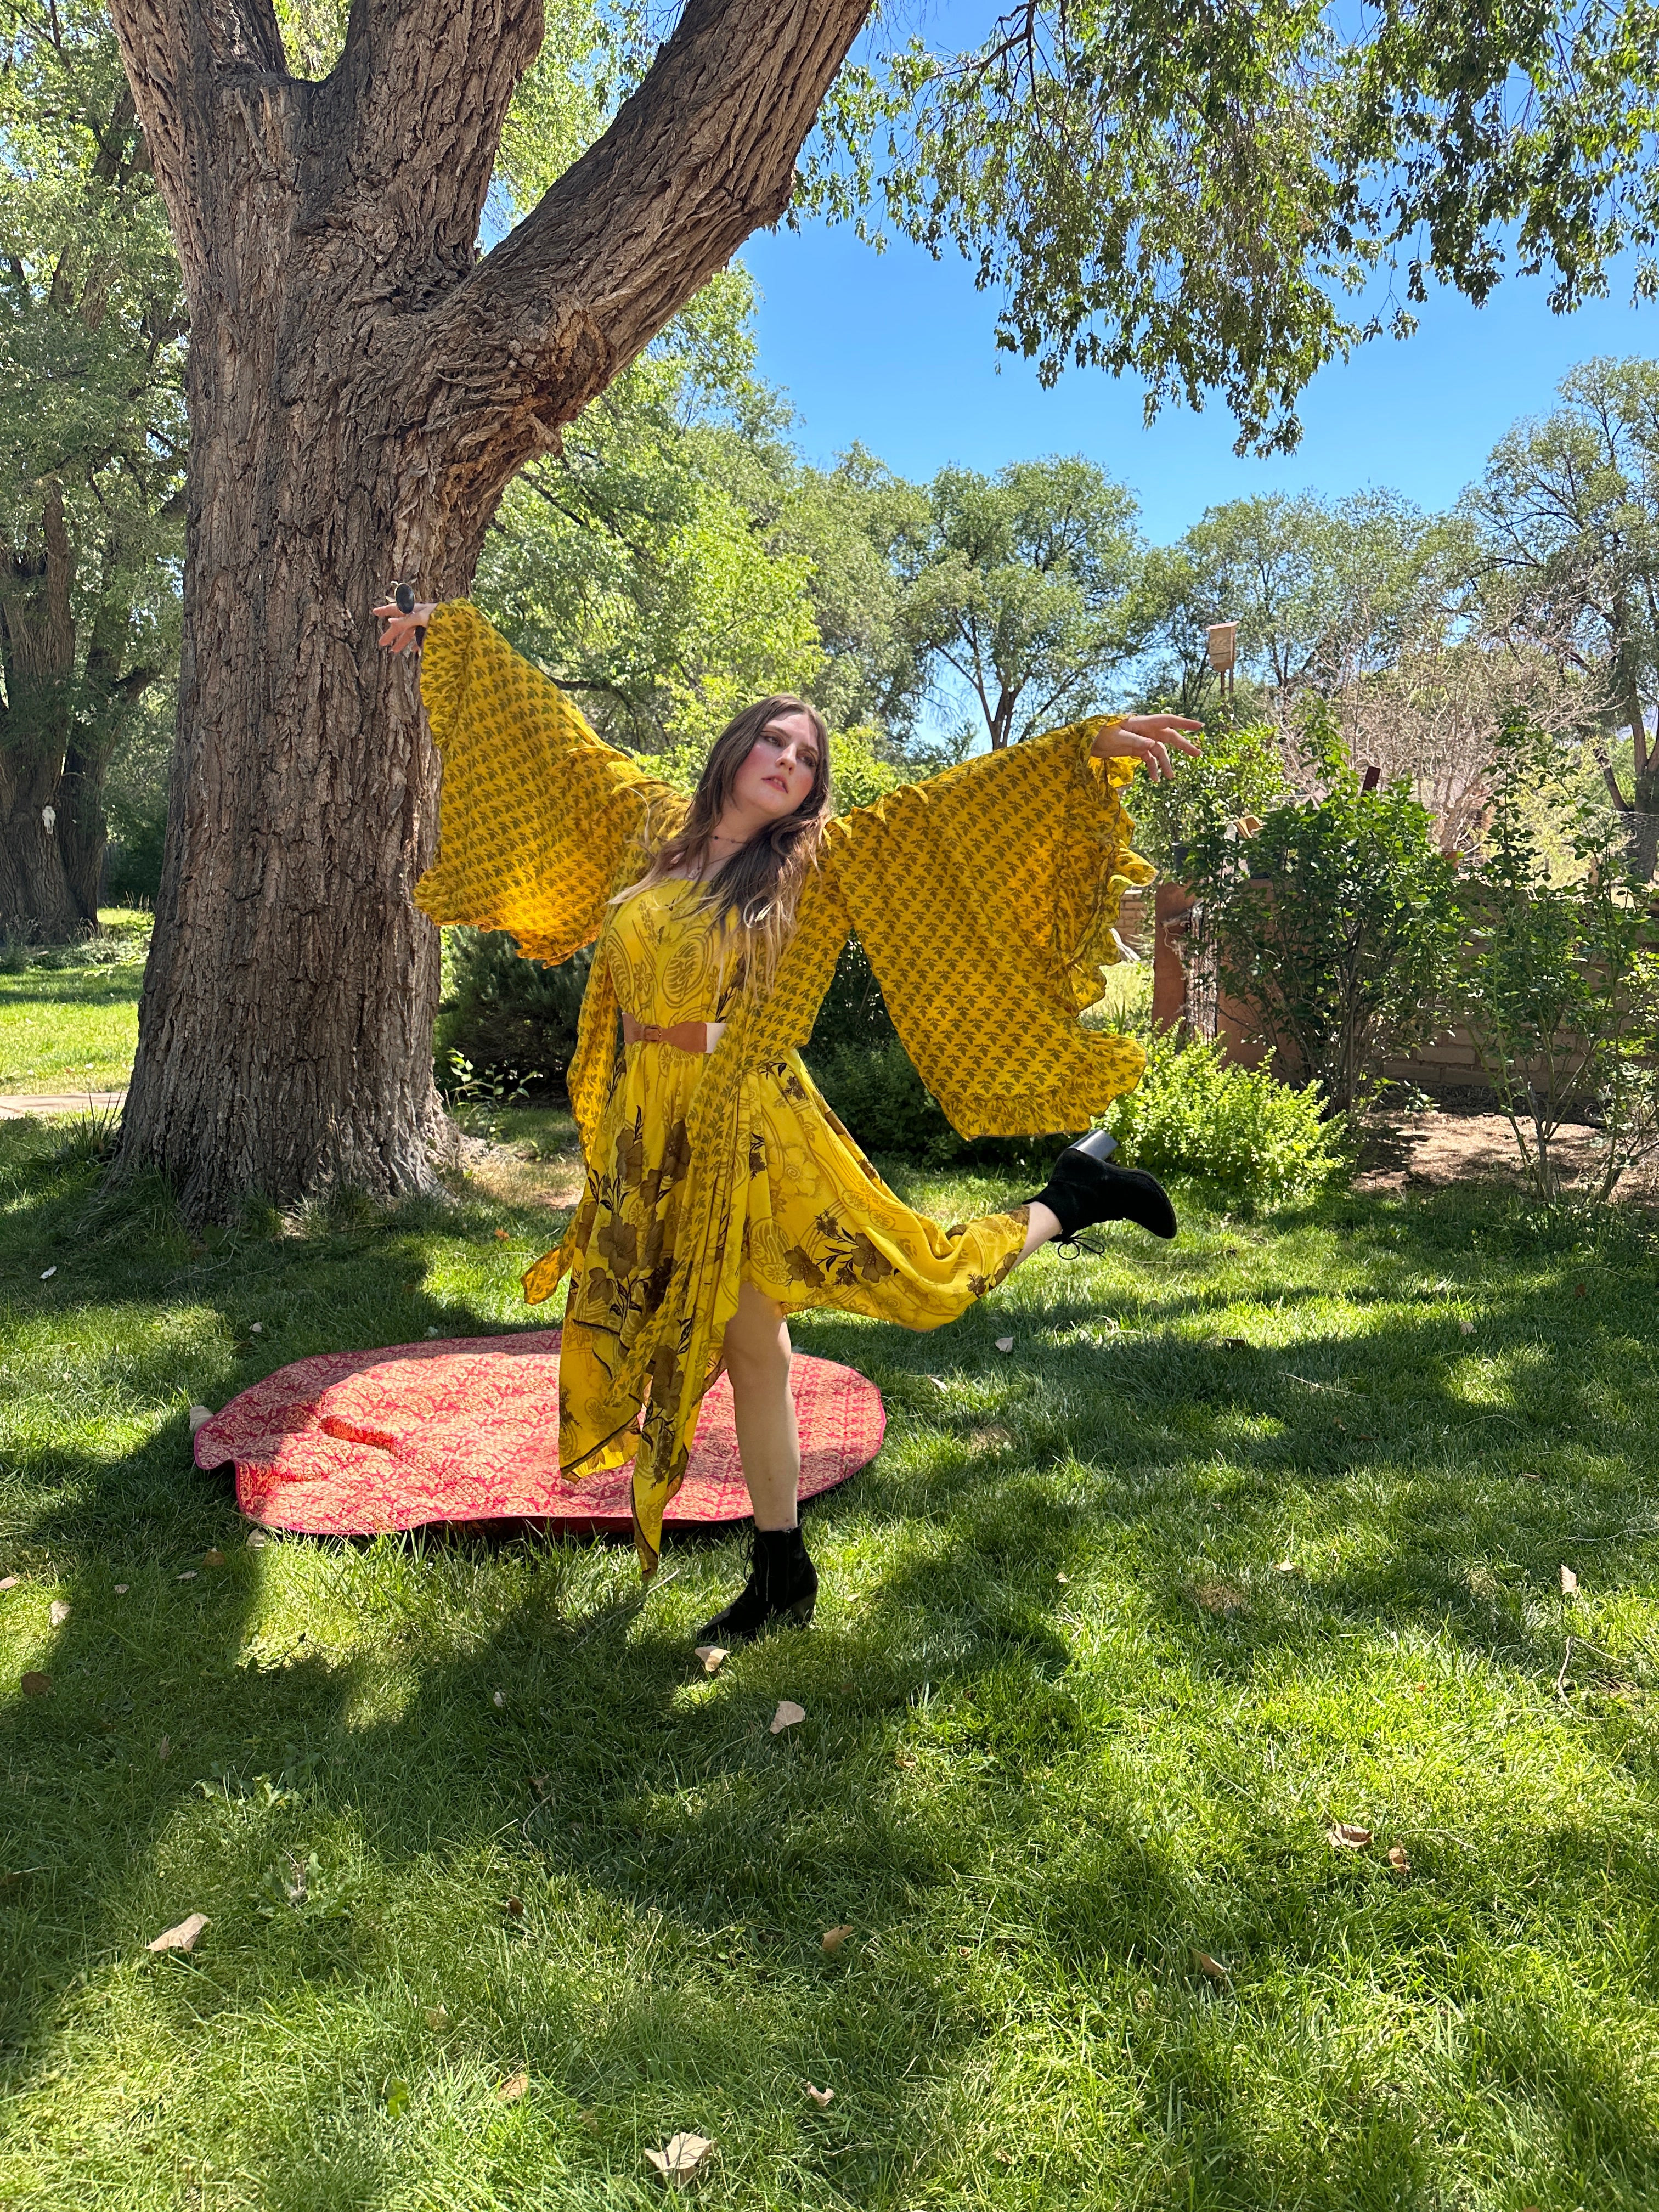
{"points": [[985, 898]]}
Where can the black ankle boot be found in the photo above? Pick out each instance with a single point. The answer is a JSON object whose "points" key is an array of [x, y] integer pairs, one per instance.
{"points": [[1083, 1188], [783, 1585]]}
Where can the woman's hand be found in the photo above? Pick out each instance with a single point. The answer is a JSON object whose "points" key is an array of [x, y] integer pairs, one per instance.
{"points": [[1147, 738], [401, 628]]}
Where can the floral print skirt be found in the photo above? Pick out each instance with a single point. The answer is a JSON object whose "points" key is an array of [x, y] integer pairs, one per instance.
{"points": [[809, 1220]]}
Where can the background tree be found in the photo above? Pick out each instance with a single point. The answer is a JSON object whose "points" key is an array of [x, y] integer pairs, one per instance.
{"points": [[91, 439], [363, 387], [1323, 592], [1568, 562], [1023, 591], [1157, 191], [864, 530], [633, 563]]}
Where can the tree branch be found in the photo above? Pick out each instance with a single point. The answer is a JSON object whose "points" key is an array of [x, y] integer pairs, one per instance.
{"points": [[455, 67], [179, 54], [703, 154]]}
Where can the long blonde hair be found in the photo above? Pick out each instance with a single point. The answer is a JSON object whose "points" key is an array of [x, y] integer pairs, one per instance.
{"points": [[758, 890]]}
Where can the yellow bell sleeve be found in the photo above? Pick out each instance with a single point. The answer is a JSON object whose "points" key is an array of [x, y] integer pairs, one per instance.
{"points": [[986, 899], [537, 813]]}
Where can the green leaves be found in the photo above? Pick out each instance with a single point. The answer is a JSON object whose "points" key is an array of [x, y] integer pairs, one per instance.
{"points": [[1191, 195], [1335, 924], [631, 563], [1560, 981]]}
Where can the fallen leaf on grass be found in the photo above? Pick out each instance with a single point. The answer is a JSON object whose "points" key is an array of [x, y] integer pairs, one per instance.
{"points": [[1466, 1327], [57, 1611], [188, 1576], [1237, 1343], [215, 1558], [436, 2018], [541, 1785], [1212, 1967], [164, 1749], [181, 1938], [36, 1685], [199, 1417], [1347, 1837], [1398, 1860], [788, 1715], [1062, 1578], [1569, 1582], [681, 2156], [512, 2089], [1005, 1343], [121, 1588], [514, 1908], [257, 1540], [256, 1329], [820, 2097], [1219, 1597], [501, 1236], [711, 1655], [8, 1582], [1284, 1567], [833, 1938]]}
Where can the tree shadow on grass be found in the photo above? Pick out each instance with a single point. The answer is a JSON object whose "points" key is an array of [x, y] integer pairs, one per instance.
{"points": [[678, 1861]]}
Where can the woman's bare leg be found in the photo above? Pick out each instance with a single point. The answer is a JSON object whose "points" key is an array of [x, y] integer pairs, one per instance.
{"points": [[757, 1355], [1043, 1228]]}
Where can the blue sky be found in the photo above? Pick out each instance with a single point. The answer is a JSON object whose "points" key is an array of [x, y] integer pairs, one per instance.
{"points": [[895, 350]]}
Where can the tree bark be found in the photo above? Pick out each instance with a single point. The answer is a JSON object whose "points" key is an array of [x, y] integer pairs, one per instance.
{"points": [[37, 626], [361, 391]]}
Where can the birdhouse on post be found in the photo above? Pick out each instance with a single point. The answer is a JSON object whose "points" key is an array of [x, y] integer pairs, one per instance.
{"points": [[1221, 640]]}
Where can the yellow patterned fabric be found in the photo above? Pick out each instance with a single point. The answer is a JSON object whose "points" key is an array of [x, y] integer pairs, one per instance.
{"points": [[537, 812], [985, 898], [805, 1217]]}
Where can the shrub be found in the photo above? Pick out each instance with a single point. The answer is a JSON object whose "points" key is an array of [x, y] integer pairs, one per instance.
{"points": [[500, 1012], [1335, 923], [876, 1091], [1240, 773], [853, 1014], [1251, 1138], [1560, 983]]}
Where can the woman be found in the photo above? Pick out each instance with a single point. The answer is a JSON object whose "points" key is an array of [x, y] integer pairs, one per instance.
{"points": [[722, 1193]]}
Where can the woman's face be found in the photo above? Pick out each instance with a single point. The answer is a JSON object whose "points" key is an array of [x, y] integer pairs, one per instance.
{"points": [[778, 776]]}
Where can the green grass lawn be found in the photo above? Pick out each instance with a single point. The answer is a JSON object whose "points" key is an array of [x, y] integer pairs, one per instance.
{"points": [[1245, 1536], [69, 1022]]}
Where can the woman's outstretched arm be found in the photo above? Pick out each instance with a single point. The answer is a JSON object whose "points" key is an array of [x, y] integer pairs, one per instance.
{"points": [[986, 899], [538, 814]]}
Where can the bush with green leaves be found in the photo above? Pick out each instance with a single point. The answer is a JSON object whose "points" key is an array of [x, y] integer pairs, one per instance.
{"points": [[1336, 923], [1559, 982], [1251, 1139], [1239, 774], [500, 1012]]}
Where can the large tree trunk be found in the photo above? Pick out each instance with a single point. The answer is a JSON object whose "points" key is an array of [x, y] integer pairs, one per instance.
{"points": [[360, 394]]}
